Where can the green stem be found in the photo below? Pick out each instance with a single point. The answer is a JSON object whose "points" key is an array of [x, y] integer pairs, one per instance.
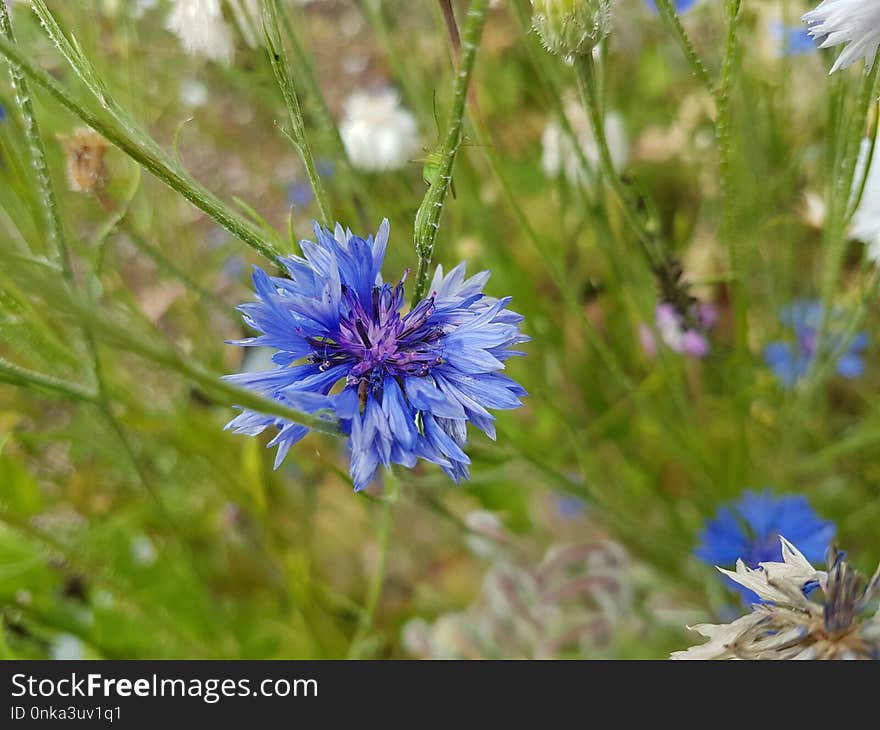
{"points": [[22, 377], [723, 138], [325, 118], [281, 67], [848, 136], [37, 152], [428, 215], [668, 13], [585, 71]]}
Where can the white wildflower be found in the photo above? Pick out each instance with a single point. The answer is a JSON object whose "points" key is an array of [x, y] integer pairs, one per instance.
{"points": [[193, 93], [378, 133], [558, 153], [793, 624], [854, 22], [201, 29]]}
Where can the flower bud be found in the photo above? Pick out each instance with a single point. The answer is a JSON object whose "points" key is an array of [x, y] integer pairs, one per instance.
{"points": [[571, 27]]}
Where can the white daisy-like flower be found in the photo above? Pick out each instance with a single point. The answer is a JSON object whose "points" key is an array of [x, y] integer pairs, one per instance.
{"points": [[854, 22], [558, 154], [792, 623], [378, 133], [201, 29], [865, 225]]}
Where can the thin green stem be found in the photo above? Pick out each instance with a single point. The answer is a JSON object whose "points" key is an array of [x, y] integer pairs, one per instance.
{"points": [[427, 221], [37, 152], [22, 377], [668, 13], [848, 135], [585, 70], [281, 67], [723, 138], [312, 89]]}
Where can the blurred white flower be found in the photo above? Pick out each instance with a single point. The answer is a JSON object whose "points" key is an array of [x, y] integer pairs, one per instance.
{"points": [[558, 154], [489, 538], [143, 551], [193, 93], [65, 647], [201, 29], [865, 225], [378, 133], [142, 6], [789, 624], [855, 22]]}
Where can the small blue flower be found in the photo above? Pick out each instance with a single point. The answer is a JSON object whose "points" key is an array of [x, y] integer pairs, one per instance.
{"points": [[749, 530], [790, 361], [681, 6], [569, 507], [2, 113], [794, 40], [403, 386], [299, 194]]}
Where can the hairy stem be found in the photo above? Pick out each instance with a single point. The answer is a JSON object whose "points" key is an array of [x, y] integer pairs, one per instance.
{"points": [[428, 215], [281, 67], [667, 11]]}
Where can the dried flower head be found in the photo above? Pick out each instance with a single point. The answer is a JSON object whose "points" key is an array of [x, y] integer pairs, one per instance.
{"points": [[85, 160], [567, 604], [571, 27], [807, 614]]}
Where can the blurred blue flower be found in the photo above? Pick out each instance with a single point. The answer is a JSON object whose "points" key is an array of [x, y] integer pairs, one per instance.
{"points": [[790, 361], [681, 6], [234, 267], [569, 506], [2, 113], [299, 194], [794, 40], [325, 167], [404, 386], [749, 530]]}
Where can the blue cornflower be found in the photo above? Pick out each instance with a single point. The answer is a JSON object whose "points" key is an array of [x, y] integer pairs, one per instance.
{"points": [[790, 361], [403, 386], [681, 6], [749, 530]]}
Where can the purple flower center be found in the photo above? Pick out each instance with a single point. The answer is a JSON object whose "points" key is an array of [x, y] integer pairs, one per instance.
{"points": [[378, 342]]}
